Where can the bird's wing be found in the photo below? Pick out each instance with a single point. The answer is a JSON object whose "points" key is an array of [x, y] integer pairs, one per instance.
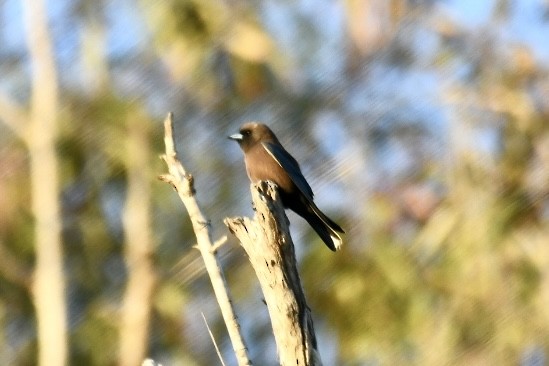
{"points": [[290, 165]]}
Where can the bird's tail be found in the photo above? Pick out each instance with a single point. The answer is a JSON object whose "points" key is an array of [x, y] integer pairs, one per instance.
{"points": [[326, 228]]}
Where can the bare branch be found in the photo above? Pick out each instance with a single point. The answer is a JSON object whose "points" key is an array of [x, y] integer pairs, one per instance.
{"points": [[267, 241], [219, 243], [184, 185]]}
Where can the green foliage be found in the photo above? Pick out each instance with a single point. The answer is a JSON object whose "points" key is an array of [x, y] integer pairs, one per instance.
{"points": [[465, 284]]}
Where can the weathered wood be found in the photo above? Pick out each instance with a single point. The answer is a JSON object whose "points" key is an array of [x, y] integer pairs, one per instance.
{"points": [[183, 183], [267, 241]]}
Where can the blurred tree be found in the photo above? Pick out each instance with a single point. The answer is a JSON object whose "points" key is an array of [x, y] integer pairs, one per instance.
{"points": [[38, 129], [459, 287], [139, 244]]}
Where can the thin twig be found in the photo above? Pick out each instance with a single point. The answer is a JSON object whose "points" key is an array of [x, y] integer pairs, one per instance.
{"points": [[219, 243], [213, 340]]}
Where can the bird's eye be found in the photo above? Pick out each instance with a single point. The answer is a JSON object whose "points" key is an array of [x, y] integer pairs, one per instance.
{"points": [[246, 132]]}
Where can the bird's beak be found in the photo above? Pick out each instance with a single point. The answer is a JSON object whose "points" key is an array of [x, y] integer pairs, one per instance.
{"points": [[237, 137]]}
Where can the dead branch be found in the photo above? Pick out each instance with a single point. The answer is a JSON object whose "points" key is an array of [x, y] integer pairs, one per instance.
{"points": [[183, 183], [267, 241]]}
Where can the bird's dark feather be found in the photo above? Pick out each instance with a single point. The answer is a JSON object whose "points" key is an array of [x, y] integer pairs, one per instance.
{"points": [[290, 165]]}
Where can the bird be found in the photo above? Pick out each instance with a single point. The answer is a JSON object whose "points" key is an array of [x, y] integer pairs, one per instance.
{"points": [[267, 159]]}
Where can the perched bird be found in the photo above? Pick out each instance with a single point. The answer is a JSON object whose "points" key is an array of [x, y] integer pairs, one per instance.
{"points": [[266, 159]]}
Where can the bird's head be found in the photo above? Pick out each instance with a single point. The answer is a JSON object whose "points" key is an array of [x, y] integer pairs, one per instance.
{"points": [[253, 133]]}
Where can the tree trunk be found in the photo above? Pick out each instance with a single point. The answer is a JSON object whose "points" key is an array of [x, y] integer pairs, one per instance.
{"points": [[48, 287], [138, 247]]}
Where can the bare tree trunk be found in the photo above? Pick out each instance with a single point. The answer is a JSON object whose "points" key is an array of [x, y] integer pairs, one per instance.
{"points": [[48, 287], [266, 240], [139, 246]]}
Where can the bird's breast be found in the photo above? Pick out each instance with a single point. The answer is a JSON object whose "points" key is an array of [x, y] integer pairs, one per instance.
{"points": [[260, 165]]}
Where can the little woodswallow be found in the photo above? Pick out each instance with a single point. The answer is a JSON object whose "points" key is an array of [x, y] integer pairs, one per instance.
{"points": [[266, 159]]}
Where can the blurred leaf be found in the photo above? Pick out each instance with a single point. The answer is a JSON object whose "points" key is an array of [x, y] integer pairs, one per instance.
{"points": [[248, 42]]}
